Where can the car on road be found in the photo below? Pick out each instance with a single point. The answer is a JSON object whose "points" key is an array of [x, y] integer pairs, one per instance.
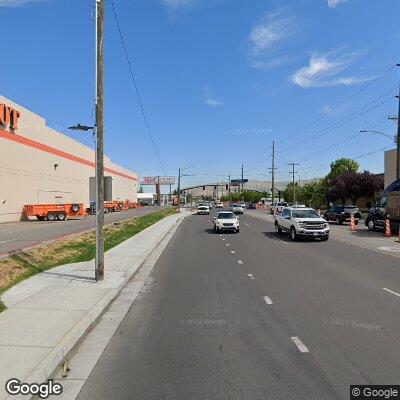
{"points": [[203, 209], [252, 206], [376, 219], [302, 222], [341, 214], [226, 221], [237, 208], [277, 208], [219, 205]]}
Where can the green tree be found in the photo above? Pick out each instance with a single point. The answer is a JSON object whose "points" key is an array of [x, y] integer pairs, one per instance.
{"points": [[342, 166]]}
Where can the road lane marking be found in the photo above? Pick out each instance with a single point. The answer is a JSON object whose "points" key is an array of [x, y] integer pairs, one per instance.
{"points": [[246, 224], [232, 252], [300, 345], [220, 235], [268, 300], [227, 244], [395, 249], [223, 238], [250, 276], [279, 240], [240, 262], [391, 291]]}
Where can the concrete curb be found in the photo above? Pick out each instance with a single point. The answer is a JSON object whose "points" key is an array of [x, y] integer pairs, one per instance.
{"points": [[48, 366]]}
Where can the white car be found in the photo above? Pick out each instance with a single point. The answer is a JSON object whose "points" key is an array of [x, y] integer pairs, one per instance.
{"points": [[226, 221], [237, 208], [302, 222], [219, 205], [203, 210], [278, 207]]}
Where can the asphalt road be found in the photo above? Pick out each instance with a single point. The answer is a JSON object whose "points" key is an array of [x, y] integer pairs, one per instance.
{"points": [[255, 316], [18, 235]]}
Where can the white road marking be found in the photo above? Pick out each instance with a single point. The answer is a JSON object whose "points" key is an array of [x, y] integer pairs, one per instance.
{"points": [[227, 244], [268, 300], [223, 238], [300, 345], [250, 276], [246, 224], [279, 240], [389, 249], [232, 252], [240, 262], [9, 240], [220, 235], [391, 291]]}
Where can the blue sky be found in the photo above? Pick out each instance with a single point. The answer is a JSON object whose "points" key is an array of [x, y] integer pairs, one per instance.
{"points": [[219, 79]]}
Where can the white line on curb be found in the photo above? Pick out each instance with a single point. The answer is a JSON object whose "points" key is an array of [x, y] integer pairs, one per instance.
{"points": [[300, 345], [268, 300], [391, 291], [240, 262]]}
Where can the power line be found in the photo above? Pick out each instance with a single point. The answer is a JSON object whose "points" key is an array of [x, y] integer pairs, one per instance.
{"points": [[357, 92], [136, 86]]}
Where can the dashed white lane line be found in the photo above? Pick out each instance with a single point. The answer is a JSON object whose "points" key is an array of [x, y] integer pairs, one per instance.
{"points": [[220, 235], [232, 252], [300, 345], [279, 240], [268, 300], [223, 238], [250, 276], [227, 244], [240, 262], [391, 291]]}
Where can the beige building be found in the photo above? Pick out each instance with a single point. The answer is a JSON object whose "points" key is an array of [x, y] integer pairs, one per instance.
{"points": [[390, 167], [39, 165]]}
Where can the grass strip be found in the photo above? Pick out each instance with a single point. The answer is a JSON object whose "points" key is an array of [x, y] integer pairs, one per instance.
{"points": [[72, 250]]}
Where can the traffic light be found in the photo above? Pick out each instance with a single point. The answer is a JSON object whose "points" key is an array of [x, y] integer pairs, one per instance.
{"points": [[204, 188]]}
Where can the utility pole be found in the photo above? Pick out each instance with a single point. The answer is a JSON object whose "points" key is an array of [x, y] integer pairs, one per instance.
{"points": [[242, 178], [294, 187], [397, 119], [229, 187], [273, 169], [99, 141], [179, 189]]}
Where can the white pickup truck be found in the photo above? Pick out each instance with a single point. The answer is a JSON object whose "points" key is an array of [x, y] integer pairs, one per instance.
{"points": [[302, 222]]}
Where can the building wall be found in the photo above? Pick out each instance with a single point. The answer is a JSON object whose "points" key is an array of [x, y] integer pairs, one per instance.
{"points": [[390, 167], [41, 165]]}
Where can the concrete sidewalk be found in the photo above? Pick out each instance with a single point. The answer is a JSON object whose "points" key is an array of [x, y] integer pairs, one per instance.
{"points": [[48, 313]]}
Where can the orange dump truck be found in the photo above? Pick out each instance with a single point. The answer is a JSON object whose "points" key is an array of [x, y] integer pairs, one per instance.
{"points": [[54, 212]]}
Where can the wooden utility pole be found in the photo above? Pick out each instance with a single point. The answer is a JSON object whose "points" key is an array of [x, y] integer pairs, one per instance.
{"points": [[293, 182], [179, 189], [242, 177], [99, 141], [229, 188], [273, 173]]}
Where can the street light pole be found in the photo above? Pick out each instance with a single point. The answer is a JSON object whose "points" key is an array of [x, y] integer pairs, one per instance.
{"points": [[99, 131]]}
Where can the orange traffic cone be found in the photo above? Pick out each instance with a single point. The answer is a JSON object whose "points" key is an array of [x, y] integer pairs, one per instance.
{"points": [[352, 223], [388, 232]]}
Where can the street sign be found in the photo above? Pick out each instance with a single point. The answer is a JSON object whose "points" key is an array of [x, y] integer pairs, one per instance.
{"points": [[154, 180], [237, 182]]}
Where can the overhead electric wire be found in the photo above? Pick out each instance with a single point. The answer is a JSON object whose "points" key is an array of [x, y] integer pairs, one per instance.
{"points": [[357, 92], [136, 86]]}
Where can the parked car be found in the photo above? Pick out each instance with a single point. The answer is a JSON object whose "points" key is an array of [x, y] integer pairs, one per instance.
{"points": [[203, 210], [252, 206], [341, 214], [278, 207], [376, 219], [226, 221], [302, 222], [219, 205], [237, 209]]}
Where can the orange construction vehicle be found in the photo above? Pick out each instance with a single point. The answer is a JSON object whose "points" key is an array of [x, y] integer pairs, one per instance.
{"points": [[54, 212]]}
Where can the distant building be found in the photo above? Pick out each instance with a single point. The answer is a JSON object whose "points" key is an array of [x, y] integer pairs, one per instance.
{"points": [[147, 199]]}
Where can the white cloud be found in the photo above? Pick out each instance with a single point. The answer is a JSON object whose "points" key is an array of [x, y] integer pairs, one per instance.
{"points": [[268, 37], [15, 3], [324, 71], [274, 29], [335, 3], [210, 99]]}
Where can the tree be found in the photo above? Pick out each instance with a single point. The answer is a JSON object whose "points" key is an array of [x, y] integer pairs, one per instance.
{"points": [[341, 166], [312, 194]]}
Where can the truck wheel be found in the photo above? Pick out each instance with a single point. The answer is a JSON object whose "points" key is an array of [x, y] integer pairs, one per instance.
{"points": [[293, 234], [371, 225], [51, 216], [61, 216], [278, 229], [75, 208], [324, 238]]}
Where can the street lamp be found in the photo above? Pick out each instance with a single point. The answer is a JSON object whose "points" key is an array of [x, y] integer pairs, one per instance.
{"points": [[394, 138], [99, 259]]}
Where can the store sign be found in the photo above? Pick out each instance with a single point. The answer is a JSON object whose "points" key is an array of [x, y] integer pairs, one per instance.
{"points": [[154, 180], [9, 117]]}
